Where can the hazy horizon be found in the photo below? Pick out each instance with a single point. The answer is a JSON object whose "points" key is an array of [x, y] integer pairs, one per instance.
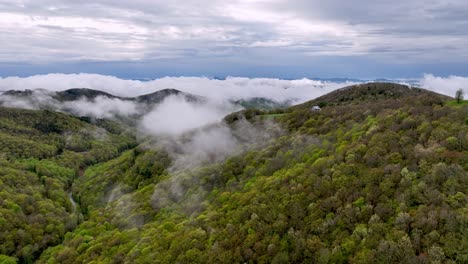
{"points": [[278, 89]]}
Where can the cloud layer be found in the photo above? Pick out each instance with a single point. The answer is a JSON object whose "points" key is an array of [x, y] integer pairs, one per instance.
{"points": [[147, 30], [175, 115], [231, 88], [447, 86], [99, 107]]}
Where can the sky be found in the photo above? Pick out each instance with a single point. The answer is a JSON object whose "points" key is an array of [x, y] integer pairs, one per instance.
{"points": [[288, 39]]}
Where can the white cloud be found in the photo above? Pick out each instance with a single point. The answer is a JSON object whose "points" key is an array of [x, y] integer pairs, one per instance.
{"points": [[101, 107], [60, 82], [40, 99], [211, 144], [175, 116], [444, 85], [231, 88], [189, 131], [298, 91]]}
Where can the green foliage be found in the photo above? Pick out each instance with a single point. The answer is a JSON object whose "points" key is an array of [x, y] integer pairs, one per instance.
{"points": [[261, 103], [459, 96], [133, 170], [456, 103], [371, 92], [358, 182], [33, 208], [7, 260], [37, 168], [353, 184]]}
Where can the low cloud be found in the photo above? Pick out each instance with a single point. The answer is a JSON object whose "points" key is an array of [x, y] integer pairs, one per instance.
{"points": [[232, 88], [191, 132], [60, 82], [38, 99], [99, 107], [444, 85], [175, 115], [205, 146]]}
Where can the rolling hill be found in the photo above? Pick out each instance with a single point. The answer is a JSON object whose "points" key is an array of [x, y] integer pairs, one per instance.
{"points": [[369, 92], [261, 103], [90, 94], [80, 93], [379, 175]]}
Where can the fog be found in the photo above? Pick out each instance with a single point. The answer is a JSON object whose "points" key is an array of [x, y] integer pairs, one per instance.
{"points": [[298, 90], [191, 132], [99, 107], [175, 115], [447, 86], [39, 99], [193, 154], [232, 88]]}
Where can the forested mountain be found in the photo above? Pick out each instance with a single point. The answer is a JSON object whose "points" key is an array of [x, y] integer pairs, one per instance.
{"points": [[379, 175], [80, 93], [90, 94], [146, 101], [159, 96], [41, 154], [261, 103], [369, 92]]}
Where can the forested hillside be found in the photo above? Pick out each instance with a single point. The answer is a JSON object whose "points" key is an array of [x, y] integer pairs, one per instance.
{"points": [[379, 175], [41, 153]]}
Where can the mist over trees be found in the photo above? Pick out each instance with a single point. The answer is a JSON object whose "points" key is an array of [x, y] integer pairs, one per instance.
{"points": [[378, 175]]}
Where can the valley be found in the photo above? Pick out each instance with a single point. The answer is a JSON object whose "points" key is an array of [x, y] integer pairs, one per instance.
{"points": [[379, 174]]}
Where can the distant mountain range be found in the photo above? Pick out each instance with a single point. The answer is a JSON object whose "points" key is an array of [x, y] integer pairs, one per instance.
{"points": [[39, 98], [413, 82], [147, 99], [90, 94]]}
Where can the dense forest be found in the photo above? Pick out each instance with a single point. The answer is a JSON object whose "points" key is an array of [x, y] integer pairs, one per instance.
{"points": [[41, 154], [378, 175]]}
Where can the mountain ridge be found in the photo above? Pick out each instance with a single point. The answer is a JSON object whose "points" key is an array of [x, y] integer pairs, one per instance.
{"points": [[372, 178], [370, 91], [73, 94]]}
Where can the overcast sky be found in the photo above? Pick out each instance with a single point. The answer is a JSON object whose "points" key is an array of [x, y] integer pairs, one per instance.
{"points": [[252, 38]]}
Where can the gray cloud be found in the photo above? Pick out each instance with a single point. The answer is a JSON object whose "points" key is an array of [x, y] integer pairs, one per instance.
{"points": [[54, 30]]}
